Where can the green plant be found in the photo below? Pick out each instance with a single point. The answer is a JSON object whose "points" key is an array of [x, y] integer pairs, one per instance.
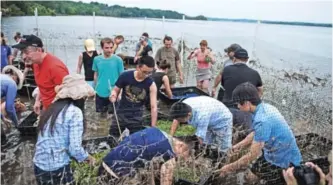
{"points": [[182, 130]]}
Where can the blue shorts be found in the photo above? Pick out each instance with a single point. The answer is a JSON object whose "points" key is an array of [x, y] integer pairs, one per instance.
{"points": [[62, 175], [102, 104]]}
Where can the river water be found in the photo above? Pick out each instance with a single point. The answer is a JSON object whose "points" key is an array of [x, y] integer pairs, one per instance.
{"points": [[278, 50]]}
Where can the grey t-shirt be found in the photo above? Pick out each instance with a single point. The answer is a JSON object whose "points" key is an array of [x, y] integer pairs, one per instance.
{"points": [[171, 55]]}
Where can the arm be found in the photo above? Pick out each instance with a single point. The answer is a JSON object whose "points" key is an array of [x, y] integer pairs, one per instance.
{"points": [[174, 126], [167, 172], [245, 142], [192, 55], [75, 124], [10, 103], [158, 55], [114, 94], [79, 65], [167, 86], [95, 69], [153, 104], [211, 56], [114, 48], [9, 56], [95, 78]]}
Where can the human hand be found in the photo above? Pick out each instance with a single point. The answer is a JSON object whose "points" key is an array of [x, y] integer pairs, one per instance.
{"points": [[181, 79], [112, 98], [288, 176], [213, 92], [37, 107], [91, 160], [319, 171]]}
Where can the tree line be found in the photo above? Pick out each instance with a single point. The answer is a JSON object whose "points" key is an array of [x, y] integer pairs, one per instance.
{"points": [[53, 8]]}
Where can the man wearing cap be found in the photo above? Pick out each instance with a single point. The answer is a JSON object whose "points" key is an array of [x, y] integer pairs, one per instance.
{"points": [[238, 73], [86, 59], [171, 55], [230, 52], [138, 45], [48, 69], [145, 48]]}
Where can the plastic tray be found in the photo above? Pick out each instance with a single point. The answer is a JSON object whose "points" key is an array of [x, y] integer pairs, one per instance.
{"points": [[180, 93], [27, 126]]}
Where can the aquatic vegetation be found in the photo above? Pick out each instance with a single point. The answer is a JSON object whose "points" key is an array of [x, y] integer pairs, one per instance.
{"points": [[182, 130]]}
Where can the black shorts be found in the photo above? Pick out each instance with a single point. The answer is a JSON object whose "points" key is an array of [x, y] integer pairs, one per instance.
{"points": [[266, 171], [102, 104]]}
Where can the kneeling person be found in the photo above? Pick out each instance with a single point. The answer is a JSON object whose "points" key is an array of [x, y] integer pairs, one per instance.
{"points": [[211, 118], [271, 134], [145, 146]]}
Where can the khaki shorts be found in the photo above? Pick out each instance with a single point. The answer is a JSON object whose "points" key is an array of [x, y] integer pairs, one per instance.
{"points": [[172, 79]]}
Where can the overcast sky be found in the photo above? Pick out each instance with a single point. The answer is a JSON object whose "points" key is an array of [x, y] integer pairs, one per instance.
{"points": [[284, 10]]}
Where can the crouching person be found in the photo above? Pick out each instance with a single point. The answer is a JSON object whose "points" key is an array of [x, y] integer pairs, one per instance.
{"points": [[211, 118], [60, 134], [141, 147], [272, 144]]}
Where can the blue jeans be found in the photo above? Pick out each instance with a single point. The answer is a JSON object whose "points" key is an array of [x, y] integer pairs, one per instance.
{"points": [[221, 137], [60, 176]]}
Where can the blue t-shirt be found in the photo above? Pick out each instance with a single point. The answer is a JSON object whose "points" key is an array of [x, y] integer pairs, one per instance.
{"points": [[280, 144], [9, 90], [108, 69], [5, 52], [137, 149], [135, 94]]}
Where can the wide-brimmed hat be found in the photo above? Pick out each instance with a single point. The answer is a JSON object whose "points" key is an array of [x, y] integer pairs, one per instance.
{"points": [[89, 44], [17, 72], [75, 87], [232, 48]]}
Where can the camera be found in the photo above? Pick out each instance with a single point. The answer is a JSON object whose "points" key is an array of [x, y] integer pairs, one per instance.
{"points": [[306, 175]]}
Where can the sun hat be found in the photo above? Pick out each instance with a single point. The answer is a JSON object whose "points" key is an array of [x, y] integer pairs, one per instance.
{"points": [[17, 72], [89, 44], [232, 48], [75, 87]]}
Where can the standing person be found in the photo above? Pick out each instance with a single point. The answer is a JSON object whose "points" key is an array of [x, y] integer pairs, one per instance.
{"points": [[272, 144], [6, 53], [61, 129], [161, 79], [230, 52], [49, 70], [213, 123], [86, 59], [118, 40], [136, 87], [205, 60], [239, 73], [144, 50], [107, 68], [171, 55], [17, 55]]}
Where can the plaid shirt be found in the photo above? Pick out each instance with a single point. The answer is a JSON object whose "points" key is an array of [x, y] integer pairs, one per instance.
{"points": [[53, 152]]}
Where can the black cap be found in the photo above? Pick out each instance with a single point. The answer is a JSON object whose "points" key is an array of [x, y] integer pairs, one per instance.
{"points": [[232, 47], [29, 40], [241, 53]]}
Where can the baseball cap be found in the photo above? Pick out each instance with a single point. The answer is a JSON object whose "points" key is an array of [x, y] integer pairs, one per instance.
{"points": [[29, 40], [241, 53], [232, 47], [143, 38], [89, 44]]}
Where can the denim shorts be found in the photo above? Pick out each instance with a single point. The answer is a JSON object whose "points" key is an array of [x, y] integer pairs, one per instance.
{"points": [[102, 104]]}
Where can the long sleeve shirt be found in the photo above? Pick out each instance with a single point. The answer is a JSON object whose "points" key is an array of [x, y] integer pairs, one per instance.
{"points": [[54, 151], [9, 91]]}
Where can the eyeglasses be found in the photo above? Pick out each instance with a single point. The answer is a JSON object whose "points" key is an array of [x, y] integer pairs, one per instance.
{"points": [[147, 73]]}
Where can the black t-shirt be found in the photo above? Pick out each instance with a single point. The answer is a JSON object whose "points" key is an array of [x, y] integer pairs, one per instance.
{"points": [[134, 94], [236, 74], [147, 50], [87, 65]]}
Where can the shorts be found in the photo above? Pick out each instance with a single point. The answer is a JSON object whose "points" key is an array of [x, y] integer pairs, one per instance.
{"points": [[172, 79], [102, 104], [266, 171], [132, 120], [91, 83], [62, 175]]}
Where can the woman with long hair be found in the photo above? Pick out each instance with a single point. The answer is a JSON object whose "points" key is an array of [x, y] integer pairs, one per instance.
{"points": [[61, 128], [205, 60]]}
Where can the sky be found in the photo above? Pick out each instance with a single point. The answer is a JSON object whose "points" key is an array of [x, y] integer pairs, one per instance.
{"points": [[318, 11]]}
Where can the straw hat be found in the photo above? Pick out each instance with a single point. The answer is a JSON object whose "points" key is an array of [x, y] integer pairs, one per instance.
{"points": [[75, 87], [18, 73], [89, 44]]}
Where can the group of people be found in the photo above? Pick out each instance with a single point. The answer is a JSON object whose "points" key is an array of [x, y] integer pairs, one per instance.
{"points": [[60, 103]]}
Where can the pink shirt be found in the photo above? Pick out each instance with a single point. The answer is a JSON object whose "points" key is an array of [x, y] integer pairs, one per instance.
{"points": [[201, 56]]}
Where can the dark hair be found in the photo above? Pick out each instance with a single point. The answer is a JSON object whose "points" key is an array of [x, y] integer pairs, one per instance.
{"points": [[168, 38], [17, 35], [147, 60], [106, 40], [11, 72], [163, 65], [246, 92], [119, 37], [51, 114], [179, 110], [145, 34], [3, 41]]}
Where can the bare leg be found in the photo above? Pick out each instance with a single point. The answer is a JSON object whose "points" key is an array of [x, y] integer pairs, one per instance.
{"points": [[199, 85], [205, 86]]}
